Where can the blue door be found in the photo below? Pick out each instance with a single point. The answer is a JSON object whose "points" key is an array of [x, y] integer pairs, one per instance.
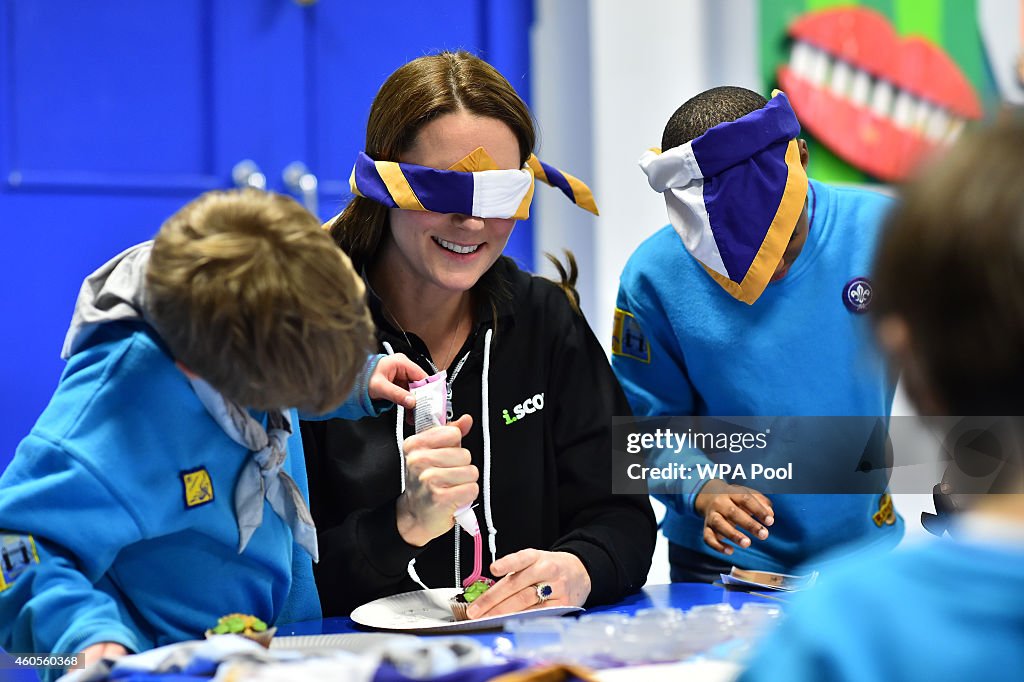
{"points": [[114, 113]]}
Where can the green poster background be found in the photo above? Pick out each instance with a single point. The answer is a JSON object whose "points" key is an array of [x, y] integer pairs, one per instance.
{"points": [[950, 24]]}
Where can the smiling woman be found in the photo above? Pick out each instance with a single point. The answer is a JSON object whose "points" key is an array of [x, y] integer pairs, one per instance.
{"points": [[442, 255], [448, 169]]}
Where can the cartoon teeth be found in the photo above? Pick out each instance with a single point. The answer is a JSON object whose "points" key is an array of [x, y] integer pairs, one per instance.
{"points": [[880, 102], [861, 88]]}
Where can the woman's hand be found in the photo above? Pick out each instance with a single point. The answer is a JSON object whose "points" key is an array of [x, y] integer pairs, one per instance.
{"points": [[523, 571], [390, 380], [726, 508], [439, 478], [101, 650]]}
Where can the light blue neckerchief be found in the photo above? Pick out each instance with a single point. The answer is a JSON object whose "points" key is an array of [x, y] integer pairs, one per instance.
{"points": [[262, 476]]}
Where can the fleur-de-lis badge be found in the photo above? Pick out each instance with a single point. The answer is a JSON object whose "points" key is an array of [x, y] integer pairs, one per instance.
{"points": [[857, 295]]}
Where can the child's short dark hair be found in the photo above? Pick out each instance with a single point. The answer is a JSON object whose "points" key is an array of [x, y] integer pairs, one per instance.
{"points": [[249, 293], [951, 266], [706, 110]]}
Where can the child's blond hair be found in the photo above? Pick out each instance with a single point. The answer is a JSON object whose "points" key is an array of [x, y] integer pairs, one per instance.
{"points": [[250, 294]]}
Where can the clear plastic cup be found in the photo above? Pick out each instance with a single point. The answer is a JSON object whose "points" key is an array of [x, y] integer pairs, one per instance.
{"points": [[711, 624], [538, 639], [696, 637], [653, 638], [592, 638], [660, 615]]}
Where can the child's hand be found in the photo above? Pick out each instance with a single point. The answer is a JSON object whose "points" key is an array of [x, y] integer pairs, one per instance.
{"points": [[724, 507], [101, 650], [391, 378]]}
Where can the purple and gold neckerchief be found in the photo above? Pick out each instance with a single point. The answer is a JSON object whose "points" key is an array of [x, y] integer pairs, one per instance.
{"points": [[473, 186], [734, 195]]}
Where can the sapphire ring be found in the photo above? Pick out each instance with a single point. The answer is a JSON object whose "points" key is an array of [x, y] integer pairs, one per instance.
{"points": [[544, 592]]}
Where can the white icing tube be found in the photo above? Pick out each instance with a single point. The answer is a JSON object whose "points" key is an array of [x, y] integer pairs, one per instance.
{"points": [[466, 518], [431, 401]]}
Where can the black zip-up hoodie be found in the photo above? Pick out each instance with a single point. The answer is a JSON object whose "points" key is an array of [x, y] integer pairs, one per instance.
{"points": [[551, 395]]}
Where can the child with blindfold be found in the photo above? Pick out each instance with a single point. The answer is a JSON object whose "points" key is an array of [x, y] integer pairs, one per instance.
{"points": [[750, 303]]}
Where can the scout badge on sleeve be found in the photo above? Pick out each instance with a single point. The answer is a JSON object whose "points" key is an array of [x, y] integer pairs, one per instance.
{"points": [[17, 554]]}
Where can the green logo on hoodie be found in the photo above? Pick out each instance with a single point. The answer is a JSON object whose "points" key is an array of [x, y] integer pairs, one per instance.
{"points": [[528, 406]]}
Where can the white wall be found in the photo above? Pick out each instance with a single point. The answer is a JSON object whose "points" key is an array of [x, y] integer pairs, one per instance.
{"points": [[607, 75], [562, 105]]}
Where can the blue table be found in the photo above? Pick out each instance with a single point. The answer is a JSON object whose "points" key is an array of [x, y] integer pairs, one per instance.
{"points": [[675, 595]]}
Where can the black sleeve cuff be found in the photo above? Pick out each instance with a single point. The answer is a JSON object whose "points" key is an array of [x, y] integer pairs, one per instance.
{"points": [[603, 572]]}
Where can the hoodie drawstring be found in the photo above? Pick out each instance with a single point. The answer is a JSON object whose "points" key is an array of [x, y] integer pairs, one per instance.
{"points": [[400, 419], [400, 411], [485, 419]]}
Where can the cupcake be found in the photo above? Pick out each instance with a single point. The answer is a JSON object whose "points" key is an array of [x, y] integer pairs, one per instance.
{"points": [[460, 602], [247, 626]]}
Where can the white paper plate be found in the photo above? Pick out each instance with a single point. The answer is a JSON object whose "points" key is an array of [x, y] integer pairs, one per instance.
{"points": [[356, 643], [428, 611]]}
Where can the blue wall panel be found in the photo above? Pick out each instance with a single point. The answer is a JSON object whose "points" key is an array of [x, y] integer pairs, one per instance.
{"points": [[119, 97], [114, 113]]}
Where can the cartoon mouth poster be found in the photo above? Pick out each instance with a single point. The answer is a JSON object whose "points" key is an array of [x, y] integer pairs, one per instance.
{"points": [[881, 85]]}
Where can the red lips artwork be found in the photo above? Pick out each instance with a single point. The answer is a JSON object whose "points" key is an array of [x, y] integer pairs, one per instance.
{"points": [[880, 102]]}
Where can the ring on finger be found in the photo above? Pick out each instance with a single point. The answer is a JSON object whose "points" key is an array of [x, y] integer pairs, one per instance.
{"points": [[544, 592]]}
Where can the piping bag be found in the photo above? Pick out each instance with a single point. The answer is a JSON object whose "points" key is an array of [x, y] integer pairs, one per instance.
{"points": [[432, 410]]}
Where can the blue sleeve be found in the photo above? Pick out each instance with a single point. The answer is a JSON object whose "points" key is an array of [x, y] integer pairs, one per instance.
{"points": [[786, 655], [826, 633], [303, 600], [652, 370], [647, 359], [77, 524], [678, 493], [359, 404]]}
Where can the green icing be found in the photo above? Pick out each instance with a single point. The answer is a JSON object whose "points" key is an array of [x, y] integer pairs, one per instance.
{"points": [[475, 590], [236, 625]]}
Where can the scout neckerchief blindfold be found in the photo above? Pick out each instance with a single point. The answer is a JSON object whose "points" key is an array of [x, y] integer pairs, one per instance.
{"points": [[473, 186], [734, 195]]}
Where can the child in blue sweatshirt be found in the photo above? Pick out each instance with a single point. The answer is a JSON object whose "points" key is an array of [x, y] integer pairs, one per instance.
{"points": [[750, 304], [164, 485], [950, 310]]}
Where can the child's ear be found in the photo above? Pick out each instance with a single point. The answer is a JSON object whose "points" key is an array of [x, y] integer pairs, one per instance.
{"points": [[804, 154]]}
